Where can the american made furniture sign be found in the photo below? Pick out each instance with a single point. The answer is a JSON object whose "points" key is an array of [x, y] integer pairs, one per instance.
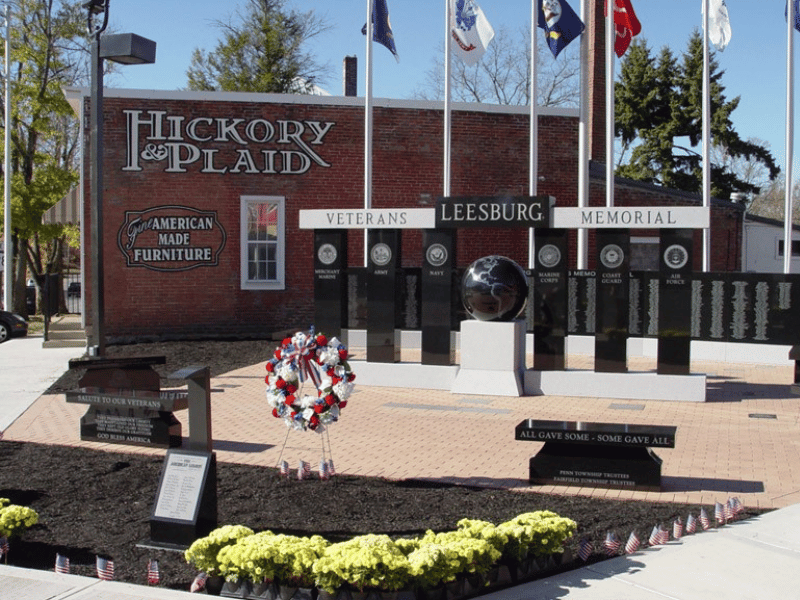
{"points": [[171, 238]]}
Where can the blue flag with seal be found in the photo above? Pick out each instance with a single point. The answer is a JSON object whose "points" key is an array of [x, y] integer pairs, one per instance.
{"points": [[381, 27], [560, 23]]}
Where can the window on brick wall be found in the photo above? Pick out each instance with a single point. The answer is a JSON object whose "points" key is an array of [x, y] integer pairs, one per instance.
{"points": [[262, 243]]}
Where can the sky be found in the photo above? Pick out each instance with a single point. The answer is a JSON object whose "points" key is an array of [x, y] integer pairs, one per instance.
{"points": [[754, 61]]}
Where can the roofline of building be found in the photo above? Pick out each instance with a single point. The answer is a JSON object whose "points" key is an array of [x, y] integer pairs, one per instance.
{"points": [[75, 94]]}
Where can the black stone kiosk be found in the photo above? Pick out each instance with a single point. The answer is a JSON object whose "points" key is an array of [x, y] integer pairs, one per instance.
{"points": [[607, 455]]}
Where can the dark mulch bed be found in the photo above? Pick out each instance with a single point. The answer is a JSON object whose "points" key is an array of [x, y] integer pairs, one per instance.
{"points": [[92, 502]]}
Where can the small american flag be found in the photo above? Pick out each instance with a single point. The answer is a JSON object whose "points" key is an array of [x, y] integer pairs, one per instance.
{"points": [[664, 533], [105, 568], [632, 545], [199, 583], [323, 470], [62, 564], [153, 576], [705, 523], [585, 549], [655, 536], [611, 544], [728, 509], [719, 513], [677, 528], [691, 524], [4, 547], [737, 505], [331, 469], [304, 470], [284, 468]]}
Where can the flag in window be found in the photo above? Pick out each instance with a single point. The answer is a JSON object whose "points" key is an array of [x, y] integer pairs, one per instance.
{"points": [[560, 23], [470, 30]]}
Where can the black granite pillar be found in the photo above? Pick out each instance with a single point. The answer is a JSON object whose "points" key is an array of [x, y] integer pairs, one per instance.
{"points": [[438, 247], [613, 283], [550, 299], [384, 262], [675, 302], [330, 281]]}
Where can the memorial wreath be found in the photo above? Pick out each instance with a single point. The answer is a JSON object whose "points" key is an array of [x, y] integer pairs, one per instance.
{"points": [[302, 358]]}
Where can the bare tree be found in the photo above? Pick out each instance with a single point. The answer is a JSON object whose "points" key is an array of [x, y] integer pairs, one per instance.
{"points": [[503, 74]]}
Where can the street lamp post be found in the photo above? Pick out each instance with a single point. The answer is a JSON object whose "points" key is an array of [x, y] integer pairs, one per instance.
{"points": [[125, 48]]}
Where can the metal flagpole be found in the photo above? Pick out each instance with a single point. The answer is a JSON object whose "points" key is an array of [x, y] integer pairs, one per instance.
{"points": [[368, 126], [583, 140], [787, 209], [447, 121], [533, 167], [610, 38], [7, 249], [706, 139]]}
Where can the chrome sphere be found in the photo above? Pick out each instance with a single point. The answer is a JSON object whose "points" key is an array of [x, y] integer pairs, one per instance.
{"points": [[494, 288]]}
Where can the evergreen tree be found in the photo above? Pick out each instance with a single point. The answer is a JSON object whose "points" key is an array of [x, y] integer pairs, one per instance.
{"points": [[263, 52], [658, 110]]}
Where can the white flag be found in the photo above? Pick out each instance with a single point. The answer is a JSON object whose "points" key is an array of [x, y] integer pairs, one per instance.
{"points": [[470, 30], [719, 26]]}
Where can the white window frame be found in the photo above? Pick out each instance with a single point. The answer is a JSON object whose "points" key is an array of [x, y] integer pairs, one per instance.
{"points": [[279, 283]]}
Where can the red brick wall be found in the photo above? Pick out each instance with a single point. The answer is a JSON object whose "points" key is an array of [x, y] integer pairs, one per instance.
{"points": [[489, 157]]}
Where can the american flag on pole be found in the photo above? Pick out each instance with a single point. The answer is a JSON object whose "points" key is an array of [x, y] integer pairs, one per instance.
{"points": [[303, 470], [105, 568], [611, 544], [705, 523], [3, 546], [153, 576], [331, 469], [737, 506], [585, 549], [632, 545], [691, 524], [324, 474], [655, 536], [284, 468], [62, 564], [728, 510], [719, 513], [199, 583], [677, 528]]}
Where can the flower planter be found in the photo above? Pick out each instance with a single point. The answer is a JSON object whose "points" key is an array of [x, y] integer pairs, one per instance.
{"points": [[235, 589], [454, 589], [214, 585], [339, 594], [264, 591], [436, 593], [297, 593]]}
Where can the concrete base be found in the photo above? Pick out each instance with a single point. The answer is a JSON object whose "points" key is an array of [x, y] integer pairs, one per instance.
{"points": [[404, 375], [492, 358], [622, 386]]}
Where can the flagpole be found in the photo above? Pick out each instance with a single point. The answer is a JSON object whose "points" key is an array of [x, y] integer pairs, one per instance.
{"points": [[610, 38], [7, 249], [533, 138], [706, 139], [447, 121], [368, 126], [787, 209], [583, 140]]}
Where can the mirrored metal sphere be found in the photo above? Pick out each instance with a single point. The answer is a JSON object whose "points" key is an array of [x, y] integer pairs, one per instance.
{"points": [[494, 288]]}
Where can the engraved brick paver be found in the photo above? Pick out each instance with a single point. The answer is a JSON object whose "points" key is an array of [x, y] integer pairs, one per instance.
{"points": [[721, 450]]}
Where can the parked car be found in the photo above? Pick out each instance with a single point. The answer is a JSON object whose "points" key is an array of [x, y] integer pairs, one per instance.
{"points": [[11, 325], [74, 289]]}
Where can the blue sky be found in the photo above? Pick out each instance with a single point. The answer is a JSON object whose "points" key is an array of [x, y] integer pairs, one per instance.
{"points": [[754, 62]]}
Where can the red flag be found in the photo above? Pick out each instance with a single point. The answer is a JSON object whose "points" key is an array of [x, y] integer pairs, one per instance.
{"points": [[626, 25]]}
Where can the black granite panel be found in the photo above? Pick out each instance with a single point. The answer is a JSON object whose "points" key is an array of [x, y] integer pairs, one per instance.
{"points": [[438, 247], [613, 315], [330, 281], [675, 302], [550, 299], [384, 261]]}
